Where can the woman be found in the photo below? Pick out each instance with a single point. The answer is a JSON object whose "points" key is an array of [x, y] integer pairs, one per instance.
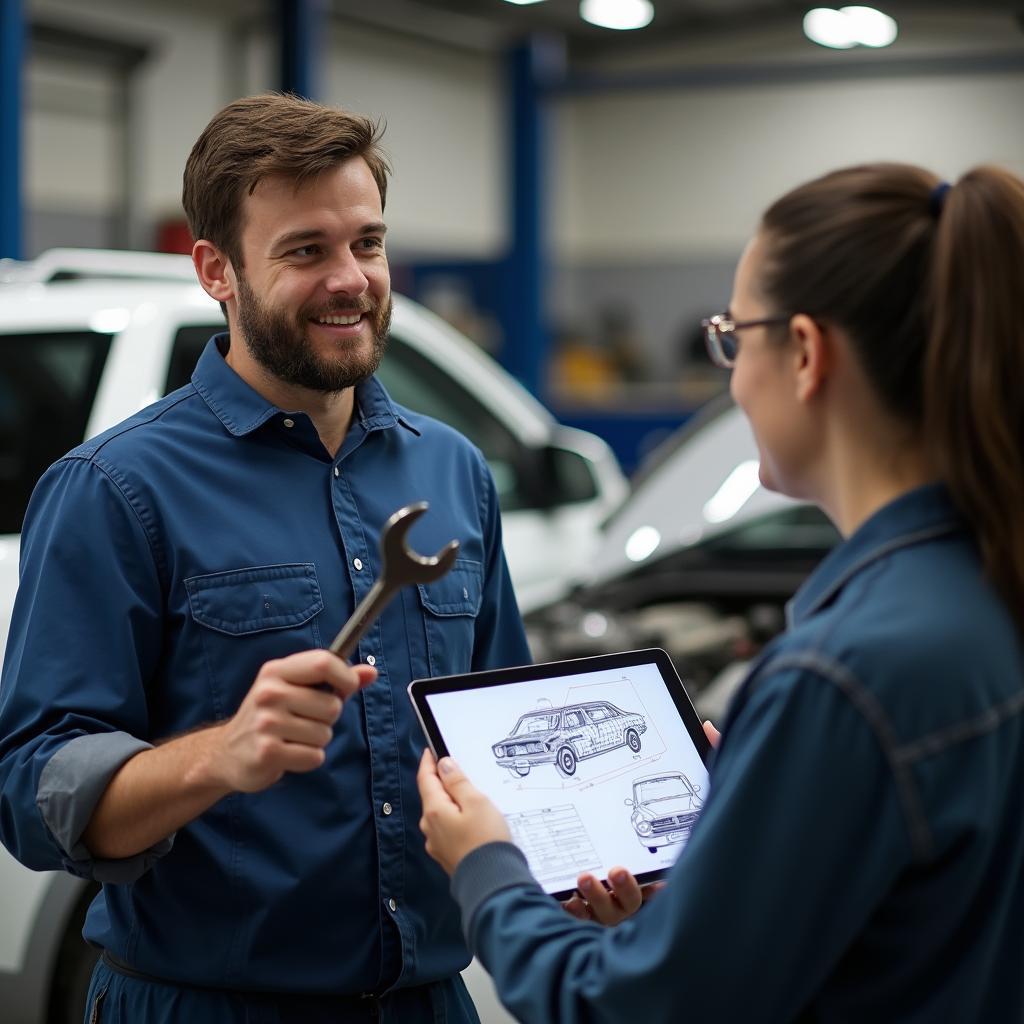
{"points": [[861, 852]]}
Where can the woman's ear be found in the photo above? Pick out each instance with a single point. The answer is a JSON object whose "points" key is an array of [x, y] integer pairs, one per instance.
{"points": [[214, 270], [813, 355]]}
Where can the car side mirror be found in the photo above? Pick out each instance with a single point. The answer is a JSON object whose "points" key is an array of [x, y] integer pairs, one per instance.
{"points": [[628, 802], [553, 476], [696, 789]]}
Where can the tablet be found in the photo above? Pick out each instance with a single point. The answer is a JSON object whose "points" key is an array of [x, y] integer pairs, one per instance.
{"points": [[594, 762]]}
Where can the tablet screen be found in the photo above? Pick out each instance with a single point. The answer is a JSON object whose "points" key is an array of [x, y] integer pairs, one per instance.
{"points": [[594, 762]]}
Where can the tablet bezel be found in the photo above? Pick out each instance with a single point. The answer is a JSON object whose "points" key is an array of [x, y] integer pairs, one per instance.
{"points": [[420, 689]]}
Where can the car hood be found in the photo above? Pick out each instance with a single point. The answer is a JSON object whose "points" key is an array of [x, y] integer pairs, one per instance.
{"points": [[701, 482], [533, 737]]}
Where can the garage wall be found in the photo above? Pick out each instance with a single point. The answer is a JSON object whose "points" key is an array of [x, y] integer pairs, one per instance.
{"points": [[657, 189], [442, 106]]}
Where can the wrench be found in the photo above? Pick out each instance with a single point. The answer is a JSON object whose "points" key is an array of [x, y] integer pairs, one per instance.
{"points": [[400, 567]]}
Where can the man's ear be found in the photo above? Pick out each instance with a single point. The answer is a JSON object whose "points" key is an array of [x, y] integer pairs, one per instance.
{"points": [[813, 355], [214, 270]]}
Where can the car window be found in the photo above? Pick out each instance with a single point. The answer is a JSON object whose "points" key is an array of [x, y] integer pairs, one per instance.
{"points": [[573, 720], [188, 346], [597, 714], [668, 788], [47, 385], [418, 383], [539, 722]]}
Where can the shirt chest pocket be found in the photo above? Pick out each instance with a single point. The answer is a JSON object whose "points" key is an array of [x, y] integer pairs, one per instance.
{"points": [[450, 609], [249, 616]]}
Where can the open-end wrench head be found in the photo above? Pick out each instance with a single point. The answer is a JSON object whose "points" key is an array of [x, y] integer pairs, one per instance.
{"points": [[401, 565]]}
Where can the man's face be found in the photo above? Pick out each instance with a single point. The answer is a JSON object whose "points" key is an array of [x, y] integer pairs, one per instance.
{"points": [[313, 298]]}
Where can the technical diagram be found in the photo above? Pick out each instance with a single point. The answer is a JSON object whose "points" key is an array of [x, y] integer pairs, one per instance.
{"points": [[566, 735], [665, 808]]}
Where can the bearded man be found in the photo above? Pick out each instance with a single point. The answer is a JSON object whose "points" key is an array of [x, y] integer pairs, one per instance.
{"points": [[171, 723]]}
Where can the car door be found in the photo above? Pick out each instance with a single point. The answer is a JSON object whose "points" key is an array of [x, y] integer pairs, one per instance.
{"points": [[576, 731]]}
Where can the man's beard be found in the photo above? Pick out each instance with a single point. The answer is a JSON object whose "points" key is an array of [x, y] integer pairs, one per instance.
{"points": [[282, 347]]}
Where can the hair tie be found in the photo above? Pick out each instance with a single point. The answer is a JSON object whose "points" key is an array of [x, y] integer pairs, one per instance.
{"points": [[937, 198]]}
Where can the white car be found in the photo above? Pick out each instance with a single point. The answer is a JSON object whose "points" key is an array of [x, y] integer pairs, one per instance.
{"points": [[699, 560], [88, 338]]}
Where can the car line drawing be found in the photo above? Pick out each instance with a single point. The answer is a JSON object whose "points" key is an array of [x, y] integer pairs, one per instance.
{"points": [[665, 808], [566, 735]]}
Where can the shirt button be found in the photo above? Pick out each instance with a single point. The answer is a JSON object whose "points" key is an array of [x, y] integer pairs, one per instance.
{"points": [[357, 564], [392, 905], [387, 809], [371, 660], [288, 423], [337, 472]]}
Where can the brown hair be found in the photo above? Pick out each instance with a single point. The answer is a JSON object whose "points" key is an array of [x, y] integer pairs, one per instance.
{"points": [[265, 135], [926, 281]]}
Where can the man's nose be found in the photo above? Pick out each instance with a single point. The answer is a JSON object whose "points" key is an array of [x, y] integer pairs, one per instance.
{"points": [[345, 276]]}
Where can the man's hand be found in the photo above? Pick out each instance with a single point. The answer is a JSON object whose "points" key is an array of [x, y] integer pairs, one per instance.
{"points": [[286, 719], [457, 817]]}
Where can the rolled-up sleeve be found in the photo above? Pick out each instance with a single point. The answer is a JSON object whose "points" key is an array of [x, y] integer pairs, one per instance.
{"points": [[85, 638]]}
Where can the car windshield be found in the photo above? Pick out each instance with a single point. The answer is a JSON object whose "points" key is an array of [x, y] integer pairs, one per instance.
{"points": [[661, 789], [539, 721]]}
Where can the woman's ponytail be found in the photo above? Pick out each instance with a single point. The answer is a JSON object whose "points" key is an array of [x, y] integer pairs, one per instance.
{"points": [[974, 365]]}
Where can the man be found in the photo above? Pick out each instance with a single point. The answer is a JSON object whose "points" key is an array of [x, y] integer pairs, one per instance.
{"points": [[188, 566]]}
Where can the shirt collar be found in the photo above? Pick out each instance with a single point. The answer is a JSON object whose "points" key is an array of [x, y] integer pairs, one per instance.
{"points": [[919, 515], [242, 409]]}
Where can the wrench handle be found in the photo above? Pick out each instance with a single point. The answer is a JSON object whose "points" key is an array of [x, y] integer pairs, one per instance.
{"points": [[361, 619]]}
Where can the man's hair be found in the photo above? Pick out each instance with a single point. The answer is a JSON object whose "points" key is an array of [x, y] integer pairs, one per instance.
{"points": [[270, 134]]}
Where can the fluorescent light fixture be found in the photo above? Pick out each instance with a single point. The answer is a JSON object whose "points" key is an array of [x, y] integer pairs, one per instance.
{"points": [[522, 3], [849, 26], [736, 490], [642, 543], [871, 27], [620, 14]]}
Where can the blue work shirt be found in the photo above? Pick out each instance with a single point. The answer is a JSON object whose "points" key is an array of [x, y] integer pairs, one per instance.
{"points": [[860, 856], [163, 562]]}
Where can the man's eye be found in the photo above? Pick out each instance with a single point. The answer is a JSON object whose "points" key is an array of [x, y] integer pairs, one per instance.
{"points": [[305, 250], [371, 243]]}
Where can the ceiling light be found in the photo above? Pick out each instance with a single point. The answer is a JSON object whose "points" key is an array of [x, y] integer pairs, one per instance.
{"points": [[522, 3], [620, 14], [871, 27], [849, 26]]}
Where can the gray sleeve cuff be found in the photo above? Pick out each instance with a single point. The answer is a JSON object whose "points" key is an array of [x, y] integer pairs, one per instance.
{"points": [[70, 787], [487, 870]]}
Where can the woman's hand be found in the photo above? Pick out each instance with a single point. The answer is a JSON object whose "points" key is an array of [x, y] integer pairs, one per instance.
{"points": [[624, 895], [457, 817]]}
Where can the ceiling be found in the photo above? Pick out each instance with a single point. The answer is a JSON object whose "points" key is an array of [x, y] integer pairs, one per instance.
{"points": [[490, 24]]}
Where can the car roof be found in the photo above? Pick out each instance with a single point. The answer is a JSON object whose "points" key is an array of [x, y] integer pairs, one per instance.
{"points": [[566, 707]]}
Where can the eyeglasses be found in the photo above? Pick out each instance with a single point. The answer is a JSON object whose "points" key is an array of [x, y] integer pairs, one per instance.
{"points": [[720, 336]]}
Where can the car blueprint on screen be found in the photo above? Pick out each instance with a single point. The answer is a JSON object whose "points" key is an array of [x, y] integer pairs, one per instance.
{"points": [[564, 736], [665, 808]]}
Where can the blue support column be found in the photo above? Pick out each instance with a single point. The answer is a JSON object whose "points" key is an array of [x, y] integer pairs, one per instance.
{"points": [[533, 67], [302, 25], [12, 57]]}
